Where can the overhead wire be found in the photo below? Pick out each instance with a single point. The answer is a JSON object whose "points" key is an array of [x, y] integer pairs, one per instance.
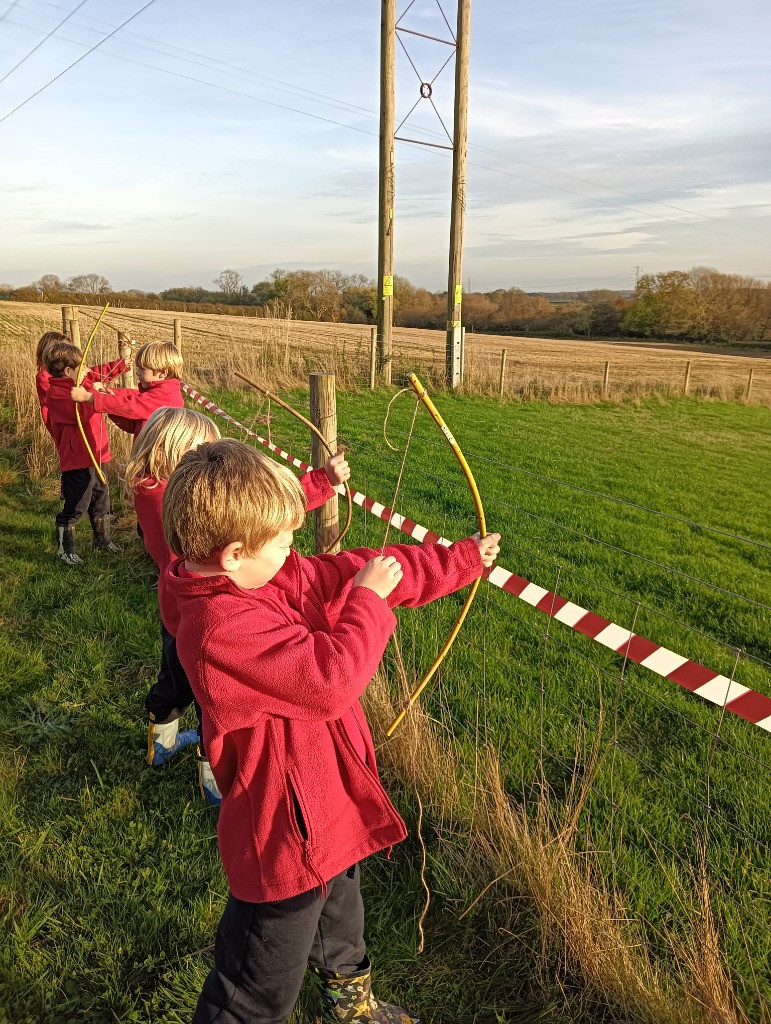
{"points": [[43, 40], [76, 62]]}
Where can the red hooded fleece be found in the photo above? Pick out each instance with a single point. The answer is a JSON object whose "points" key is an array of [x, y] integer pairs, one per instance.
{"points": [[278, 672], [130, 408], [63, 424]]}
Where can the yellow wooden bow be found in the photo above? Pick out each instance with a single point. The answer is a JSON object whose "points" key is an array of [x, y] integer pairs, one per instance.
{"points": [[314, 429], [81, 374], [420, 391]]}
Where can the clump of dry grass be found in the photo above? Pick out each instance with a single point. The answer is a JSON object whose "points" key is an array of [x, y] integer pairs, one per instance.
{"points": [[506, 854]]}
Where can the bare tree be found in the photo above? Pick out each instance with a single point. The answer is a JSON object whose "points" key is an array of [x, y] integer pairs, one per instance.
{"points": [[229, 282], [48, 283], [91, 284]]}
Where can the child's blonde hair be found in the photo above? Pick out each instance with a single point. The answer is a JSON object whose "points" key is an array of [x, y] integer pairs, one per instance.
{"points": [[45, 345], [226, 491], [163, 440], [159, 356]]}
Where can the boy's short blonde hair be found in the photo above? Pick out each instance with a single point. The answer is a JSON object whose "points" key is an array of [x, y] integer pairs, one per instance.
{"points": [[168, 434], [225, 491], [61, 356], [159, 356]]}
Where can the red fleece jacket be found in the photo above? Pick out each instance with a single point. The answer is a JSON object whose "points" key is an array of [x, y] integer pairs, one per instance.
{"points": [[42, 381], [130, 409], [278, 672], [63, 423], [148, 504]]}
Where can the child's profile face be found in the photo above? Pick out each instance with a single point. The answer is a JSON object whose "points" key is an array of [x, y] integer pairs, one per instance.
{"points": [[255, 571], [147, 376]]}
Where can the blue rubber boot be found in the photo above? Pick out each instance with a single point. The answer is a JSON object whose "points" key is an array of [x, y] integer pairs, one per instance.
{"points": [[164, 740]]}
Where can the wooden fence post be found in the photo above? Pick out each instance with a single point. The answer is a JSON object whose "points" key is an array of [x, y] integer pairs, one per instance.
{"points": [[66, 317], [687, 381], [178, 334], [326, 521], [749, 385], [74, 330], [124, 351], [372, 357], [462, 354], [502, 378], [606, 379]]}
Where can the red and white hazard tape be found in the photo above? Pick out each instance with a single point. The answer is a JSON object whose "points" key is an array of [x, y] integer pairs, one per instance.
{"points": [[718, 689]]}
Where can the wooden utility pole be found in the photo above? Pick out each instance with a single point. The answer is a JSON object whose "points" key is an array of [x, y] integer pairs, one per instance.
{"points": [[457, 216], [372, 358], [326, 521], [385, 240]]}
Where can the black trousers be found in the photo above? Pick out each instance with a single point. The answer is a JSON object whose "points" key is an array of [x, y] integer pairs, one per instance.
{"points": [[171, 690], [263, 949], [83, 492]]}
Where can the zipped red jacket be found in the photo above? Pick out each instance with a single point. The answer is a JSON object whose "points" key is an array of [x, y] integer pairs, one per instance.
{"points": [[130, 408], [148, 505], [42, 380], [278, 672], [63, 423]]}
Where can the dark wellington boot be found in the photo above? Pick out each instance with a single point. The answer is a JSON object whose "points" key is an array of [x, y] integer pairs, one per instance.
{"points": [[66, 550], [347, 998], [101, 527]]}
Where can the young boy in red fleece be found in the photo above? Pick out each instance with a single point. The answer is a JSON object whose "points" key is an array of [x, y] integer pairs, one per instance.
{"points": [[43, 377], [158, 366], [165, 438], [278, 649], [82, 490]]}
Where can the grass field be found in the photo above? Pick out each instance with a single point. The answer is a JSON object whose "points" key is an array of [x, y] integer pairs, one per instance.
{"points": [[111, 887]]}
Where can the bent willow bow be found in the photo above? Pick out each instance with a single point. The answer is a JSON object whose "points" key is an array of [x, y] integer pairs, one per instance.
{"points": [[315, 430], [420, 391], [81, 374]]}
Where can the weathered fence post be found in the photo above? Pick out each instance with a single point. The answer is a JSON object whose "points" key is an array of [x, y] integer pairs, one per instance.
{"points": [[124, 351], [66, 317], [74, 331], [178, 334], [687, 381], [462, 354], [372, 357], [606, 379], [502, 378], [749, 385], [326, 522]]}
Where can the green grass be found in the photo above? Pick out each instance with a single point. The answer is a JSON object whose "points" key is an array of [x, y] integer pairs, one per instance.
{"points": [[111, 886]]}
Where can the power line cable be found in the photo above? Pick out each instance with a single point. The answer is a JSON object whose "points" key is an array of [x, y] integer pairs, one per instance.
{"points": [[75, 62], [43, 40]]}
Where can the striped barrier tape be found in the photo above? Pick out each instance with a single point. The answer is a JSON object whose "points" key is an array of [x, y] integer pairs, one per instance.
{"points": [[718, 689]]}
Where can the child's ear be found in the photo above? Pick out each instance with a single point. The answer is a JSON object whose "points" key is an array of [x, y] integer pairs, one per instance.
{"points": [[230, 556]]}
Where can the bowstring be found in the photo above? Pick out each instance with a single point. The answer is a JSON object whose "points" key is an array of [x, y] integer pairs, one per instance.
{"points": [[404, 458]]}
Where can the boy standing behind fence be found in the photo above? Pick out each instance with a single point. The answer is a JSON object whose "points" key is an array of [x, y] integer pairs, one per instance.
{"points": [[278, 650], [158, 366], [82, 490], [43, 377]]}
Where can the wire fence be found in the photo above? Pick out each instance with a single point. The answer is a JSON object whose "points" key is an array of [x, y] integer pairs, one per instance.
{"points": [[531, 370]]}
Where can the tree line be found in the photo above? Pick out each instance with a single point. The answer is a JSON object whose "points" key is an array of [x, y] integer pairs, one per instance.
{"points": [[701, 304]]}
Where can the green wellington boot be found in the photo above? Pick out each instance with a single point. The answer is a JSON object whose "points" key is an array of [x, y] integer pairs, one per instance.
{"points": [[348, 998]]}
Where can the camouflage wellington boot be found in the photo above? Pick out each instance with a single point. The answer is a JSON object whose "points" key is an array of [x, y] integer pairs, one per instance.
{"points": [[100, 526], [348, 998], [65, 536]]}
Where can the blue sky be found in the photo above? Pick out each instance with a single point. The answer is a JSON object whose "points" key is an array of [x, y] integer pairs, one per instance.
{"points": [[604, 136]]}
